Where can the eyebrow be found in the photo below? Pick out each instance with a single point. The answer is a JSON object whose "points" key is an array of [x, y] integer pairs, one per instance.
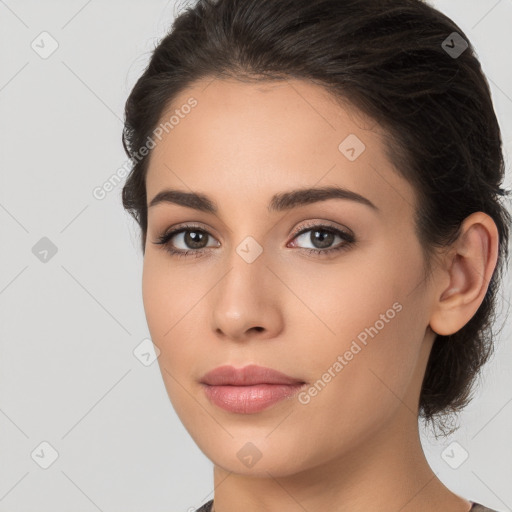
{"points": [[279, 202]]}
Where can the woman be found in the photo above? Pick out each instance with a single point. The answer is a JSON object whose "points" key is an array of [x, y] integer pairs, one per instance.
{"points": [[318, 190]]}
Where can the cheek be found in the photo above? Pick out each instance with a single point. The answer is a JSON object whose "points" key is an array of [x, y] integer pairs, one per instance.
{"points": [[369, 310], [168, 294], [360, 376], [339, 301], [172, 299], [153, 297], [166, 304]]}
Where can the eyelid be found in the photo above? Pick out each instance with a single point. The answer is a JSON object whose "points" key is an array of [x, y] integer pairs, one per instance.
{"points": [[323, 223], [182, 226]]}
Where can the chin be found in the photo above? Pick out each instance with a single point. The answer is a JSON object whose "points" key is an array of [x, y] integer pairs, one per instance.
{"points": [[256, 456]]}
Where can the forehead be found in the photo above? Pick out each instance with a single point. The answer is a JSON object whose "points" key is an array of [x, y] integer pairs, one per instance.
{"points": [[260, 138]]}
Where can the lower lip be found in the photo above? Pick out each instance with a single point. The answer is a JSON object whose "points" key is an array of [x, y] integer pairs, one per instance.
{"points": [[249, 399]]}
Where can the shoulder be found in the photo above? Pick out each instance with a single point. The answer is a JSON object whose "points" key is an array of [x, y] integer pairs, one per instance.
{"points": [[477, 507], [207, 506]]}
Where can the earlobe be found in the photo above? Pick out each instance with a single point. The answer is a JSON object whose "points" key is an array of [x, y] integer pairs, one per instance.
{"points": [[468, 267]]}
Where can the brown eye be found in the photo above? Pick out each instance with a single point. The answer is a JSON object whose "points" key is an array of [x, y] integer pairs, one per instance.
{"points": [[322, 238], [185, 240]]}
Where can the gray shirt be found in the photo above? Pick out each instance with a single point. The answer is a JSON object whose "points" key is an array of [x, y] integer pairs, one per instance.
{"points": [[476, 507]]}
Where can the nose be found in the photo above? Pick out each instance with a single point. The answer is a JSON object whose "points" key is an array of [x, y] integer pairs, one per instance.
{"points": [[246, 301]]}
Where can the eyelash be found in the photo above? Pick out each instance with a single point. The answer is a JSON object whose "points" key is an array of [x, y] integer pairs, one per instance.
{"points": [[166, 237]]}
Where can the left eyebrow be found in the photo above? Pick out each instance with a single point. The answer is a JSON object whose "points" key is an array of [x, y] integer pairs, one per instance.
{"points": [[279, 202]]}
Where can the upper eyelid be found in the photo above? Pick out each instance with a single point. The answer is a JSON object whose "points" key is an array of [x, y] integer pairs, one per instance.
{"points": [[324, 224], [303, 224]]}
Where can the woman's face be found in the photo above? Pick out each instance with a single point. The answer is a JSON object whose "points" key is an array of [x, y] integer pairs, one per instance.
{"points": [[350, 324]]}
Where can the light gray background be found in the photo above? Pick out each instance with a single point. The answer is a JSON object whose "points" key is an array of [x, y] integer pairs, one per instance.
{"points": [[69, 326]]}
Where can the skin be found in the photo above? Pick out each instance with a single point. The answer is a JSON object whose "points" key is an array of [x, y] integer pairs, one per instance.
{"points": [[355, 446]]}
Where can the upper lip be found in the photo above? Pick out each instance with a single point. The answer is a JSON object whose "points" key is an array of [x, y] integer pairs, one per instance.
{"points": [[246, 376]]}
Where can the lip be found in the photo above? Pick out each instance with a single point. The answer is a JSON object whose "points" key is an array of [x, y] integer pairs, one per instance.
{"points": [[248, 390], [247, 376]]}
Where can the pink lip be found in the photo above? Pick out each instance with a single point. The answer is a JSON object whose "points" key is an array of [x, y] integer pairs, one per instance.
{"points": [[248, 390], [246, 376]]}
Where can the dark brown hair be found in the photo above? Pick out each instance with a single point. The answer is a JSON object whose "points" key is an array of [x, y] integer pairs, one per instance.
{"points": [[397, 61]]}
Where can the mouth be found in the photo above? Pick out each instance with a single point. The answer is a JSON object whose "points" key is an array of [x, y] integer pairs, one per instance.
{"points": [[250, 389]]}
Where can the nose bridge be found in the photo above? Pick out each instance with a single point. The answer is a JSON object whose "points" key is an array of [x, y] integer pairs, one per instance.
{"points": [[243, 299], [249, 250], [247, 269], [246, 243]]}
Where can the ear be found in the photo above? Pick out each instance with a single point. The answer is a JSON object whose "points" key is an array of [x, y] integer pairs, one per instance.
{"points": [[467, 270]]}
